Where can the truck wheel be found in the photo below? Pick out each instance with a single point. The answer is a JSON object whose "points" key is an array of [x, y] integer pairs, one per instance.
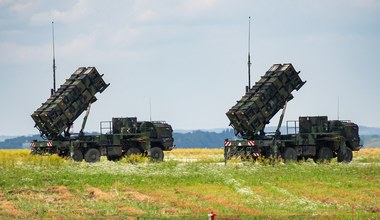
{"points": [[113, 158], [64, 153], [133, 150], [345, 157], [325, 154], [156, 154], [77, 156], [92, 155], [290, 155], [301, 158]]}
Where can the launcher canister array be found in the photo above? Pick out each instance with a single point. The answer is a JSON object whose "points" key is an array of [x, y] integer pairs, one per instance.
{"points": [[254, 110], [69, 102]]}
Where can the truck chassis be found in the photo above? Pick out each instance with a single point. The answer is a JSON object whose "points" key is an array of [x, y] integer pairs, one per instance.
{"points": [[337, 140]]}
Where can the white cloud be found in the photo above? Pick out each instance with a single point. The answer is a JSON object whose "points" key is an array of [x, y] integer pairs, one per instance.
{"points": [[195, 6], [22, 7], [149, 11], [76, 13], [15, 54], [80, 47], [171, 11], [125, 36], [146, 15], [4, 3]]}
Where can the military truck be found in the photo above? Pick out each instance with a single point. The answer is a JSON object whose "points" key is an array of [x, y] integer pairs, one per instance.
{"points": [[313, 137], [117, 138]]}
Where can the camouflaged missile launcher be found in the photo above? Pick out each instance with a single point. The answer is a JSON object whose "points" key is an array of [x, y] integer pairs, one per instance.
{"points": [[69, 102], [254, 110]]}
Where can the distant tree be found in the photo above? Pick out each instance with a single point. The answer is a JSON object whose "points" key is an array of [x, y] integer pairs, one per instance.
{"points": [[18, 142], [202, 139]]}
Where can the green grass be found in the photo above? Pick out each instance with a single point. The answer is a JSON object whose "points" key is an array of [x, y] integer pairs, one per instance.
{"points": [[51, 187]]}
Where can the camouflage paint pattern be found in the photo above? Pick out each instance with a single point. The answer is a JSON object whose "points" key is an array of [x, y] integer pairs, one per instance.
{"points": [[68, 102]]}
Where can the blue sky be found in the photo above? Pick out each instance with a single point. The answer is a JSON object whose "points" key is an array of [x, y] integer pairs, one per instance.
{"points": [[189, 57]]}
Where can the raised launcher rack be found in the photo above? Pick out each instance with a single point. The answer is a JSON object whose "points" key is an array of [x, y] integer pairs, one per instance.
{"points": [[255, 109], [68, 102]]}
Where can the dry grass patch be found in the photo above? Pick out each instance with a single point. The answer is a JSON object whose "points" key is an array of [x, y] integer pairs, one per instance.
{"points": [[137, 196], [195, 151], [200, 200], [367, 155], [55, 194], [131, 211], [8, 209], [368, 151], [196, 155], [97, 194], [171, 211], [62, 193]]}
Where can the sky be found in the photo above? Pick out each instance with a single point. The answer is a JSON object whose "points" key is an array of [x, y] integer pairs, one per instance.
{"points": [[185, 61]]}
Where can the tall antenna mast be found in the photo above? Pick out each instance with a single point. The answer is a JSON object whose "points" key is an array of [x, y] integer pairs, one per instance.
{"points": [[54, 67], [249, 54], [150, 109], [338, 108]]}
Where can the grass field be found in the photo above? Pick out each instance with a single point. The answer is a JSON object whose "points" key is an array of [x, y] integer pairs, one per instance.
{"points": [[188, 185]]}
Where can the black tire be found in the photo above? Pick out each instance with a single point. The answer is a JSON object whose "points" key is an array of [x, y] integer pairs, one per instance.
{"points": [[133, 150], [325, 154], [92, 155], [78, 155], [156, 154], [301, 158], [113, 158], [64, 153], [345, 157], [290, 155]]}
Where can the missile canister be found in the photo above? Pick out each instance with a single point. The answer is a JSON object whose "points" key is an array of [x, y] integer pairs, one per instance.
{"points": [[255, 109], [69, 102]]}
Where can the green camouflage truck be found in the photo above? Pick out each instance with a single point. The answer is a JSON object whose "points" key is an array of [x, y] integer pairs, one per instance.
{"points": [[117, 138], [313, 137]]}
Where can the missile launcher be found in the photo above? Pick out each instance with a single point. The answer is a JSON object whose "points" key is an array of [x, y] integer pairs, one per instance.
{"points": [[261, 102], [70, 100]]}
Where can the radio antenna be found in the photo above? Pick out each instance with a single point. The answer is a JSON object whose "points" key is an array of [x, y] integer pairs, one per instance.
{"points": [[338, 108], [249, 54], [150, 109], [54, 67]]}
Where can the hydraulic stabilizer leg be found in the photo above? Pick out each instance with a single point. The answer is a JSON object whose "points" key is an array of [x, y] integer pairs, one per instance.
{"points": [[85, 120]]}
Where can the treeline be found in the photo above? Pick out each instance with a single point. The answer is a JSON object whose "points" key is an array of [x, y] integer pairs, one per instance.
{"points": [[202, 139], [370, 141], [193, 139], [18, 142]]}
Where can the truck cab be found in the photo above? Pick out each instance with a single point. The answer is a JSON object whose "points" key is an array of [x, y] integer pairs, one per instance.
{"points": [[160, 133], [349, 130]]}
